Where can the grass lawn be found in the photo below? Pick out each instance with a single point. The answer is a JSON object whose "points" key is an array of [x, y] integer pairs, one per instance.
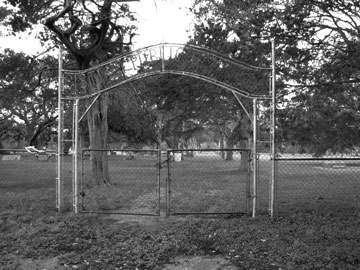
{"points": [[34, 236], [315, 183]]}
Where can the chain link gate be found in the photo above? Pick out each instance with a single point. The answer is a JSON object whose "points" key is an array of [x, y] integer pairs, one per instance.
{"points": [[135, 183], [211, 181], [171, 182]]}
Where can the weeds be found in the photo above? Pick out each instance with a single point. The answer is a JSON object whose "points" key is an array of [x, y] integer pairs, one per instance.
{"points": [[297, 241]]}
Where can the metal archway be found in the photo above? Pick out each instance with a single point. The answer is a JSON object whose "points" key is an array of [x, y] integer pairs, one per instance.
{"points": [[256, 83]]}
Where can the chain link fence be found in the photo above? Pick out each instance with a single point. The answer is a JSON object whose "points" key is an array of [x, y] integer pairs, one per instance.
{"points": [[316, 183], [173, 182], [309, 184], [209, 182], [263, 184], [27, 181], [134, 183], [143, 182]]}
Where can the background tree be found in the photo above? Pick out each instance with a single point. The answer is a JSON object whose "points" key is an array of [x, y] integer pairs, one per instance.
{"points": [[131, 117], [322, 55], [92, 37], [317, 48], [317, 53], [238, 29], [174, 103], [92, 32], [189, 106], [28, 97]]}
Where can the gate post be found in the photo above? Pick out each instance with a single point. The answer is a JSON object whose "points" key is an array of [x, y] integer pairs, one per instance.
{"points": [[255, 157], [76, 155], [248, 177], [273, 134], [168, 184], [59, 179], [158, 153]]}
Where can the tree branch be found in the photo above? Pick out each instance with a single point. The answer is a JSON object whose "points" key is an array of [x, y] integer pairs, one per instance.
{"points": [[63, 35], [322, 84]]}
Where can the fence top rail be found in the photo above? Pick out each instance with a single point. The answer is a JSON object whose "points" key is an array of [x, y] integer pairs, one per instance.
{"points": [[208, 150], [169, 150], [120, 150], [317, 159], [14, 150]]}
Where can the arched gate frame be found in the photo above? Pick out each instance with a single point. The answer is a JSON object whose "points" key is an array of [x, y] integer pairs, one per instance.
{"points": [[245, 81]]}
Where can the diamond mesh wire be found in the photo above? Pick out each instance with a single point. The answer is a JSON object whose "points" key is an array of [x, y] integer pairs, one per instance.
{"points": [[27, 181], [134, 185], [204, 182], [312, 183]]}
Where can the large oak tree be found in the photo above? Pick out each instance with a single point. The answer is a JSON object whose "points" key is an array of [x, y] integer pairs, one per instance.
{"points": [[93, 32]]}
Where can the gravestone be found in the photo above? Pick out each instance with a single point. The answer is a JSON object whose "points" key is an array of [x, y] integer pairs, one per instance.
{"points": [[11, 157]]}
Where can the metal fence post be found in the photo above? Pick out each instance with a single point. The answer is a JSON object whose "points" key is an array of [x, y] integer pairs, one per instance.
{"points": [[248, 176], [75, 157], [82, 178], [272, 201], [59, 182], [168, 184], [255, 157], [159, 179]]}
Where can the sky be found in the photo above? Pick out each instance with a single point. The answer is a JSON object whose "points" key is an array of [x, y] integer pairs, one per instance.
{"points": [[162, 21], [158, 21]]}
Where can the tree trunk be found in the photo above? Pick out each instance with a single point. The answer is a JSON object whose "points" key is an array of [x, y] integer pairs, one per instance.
{"points": [[244, 155], [98, 134], [98, 129], [222, 146], [229, 154]]}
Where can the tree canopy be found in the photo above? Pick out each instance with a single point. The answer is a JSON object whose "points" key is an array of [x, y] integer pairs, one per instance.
{"points": [[320, 59], [317, 49], [28, 97]]}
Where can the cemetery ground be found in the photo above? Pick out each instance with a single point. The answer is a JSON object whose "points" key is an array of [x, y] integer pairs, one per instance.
{"points": [[33, 235]]}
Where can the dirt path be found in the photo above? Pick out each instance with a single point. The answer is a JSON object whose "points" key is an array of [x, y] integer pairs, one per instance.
{"points": [[200, 263]]}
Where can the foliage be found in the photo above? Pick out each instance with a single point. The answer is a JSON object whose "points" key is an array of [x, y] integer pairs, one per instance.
{"points": [[26, 14], [235, 28], [322, 59], [93, 33], [130, 116], [184, 106], [238, 29], [317, 63], [321, 120], [28, 92], [317, 48], [297, 241]]}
